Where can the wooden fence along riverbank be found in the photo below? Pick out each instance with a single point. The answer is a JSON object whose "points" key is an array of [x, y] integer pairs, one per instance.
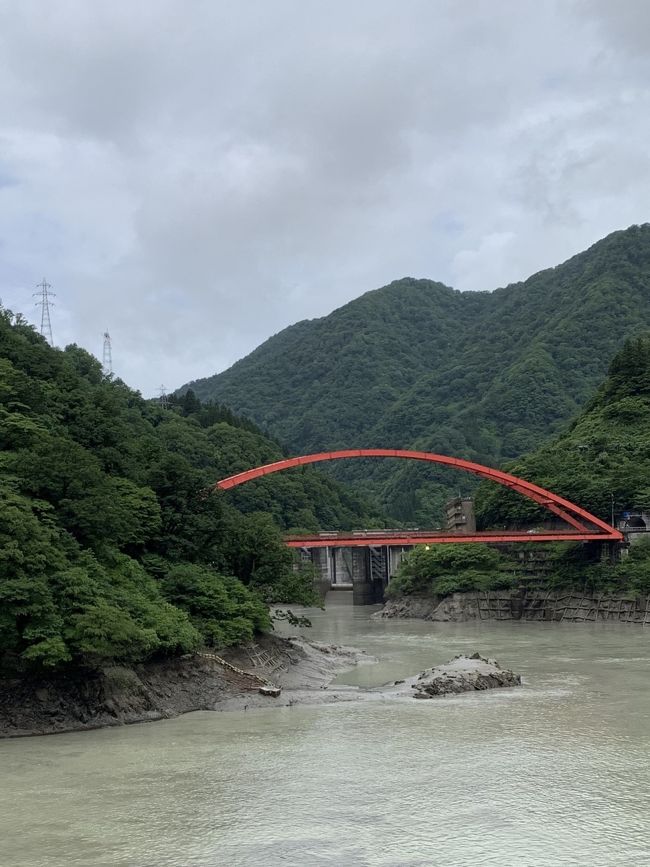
{"points": [[248, 679]]}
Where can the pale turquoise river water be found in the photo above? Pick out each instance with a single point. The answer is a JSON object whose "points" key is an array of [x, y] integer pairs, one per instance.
{"points": [[555, 773]]}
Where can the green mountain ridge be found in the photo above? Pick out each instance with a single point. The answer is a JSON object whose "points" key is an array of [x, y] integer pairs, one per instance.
{"points": [[483, 375]]}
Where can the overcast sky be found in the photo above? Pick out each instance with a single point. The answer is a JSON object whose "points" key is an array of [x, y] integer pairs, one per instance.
{"points": [[194, 176]]}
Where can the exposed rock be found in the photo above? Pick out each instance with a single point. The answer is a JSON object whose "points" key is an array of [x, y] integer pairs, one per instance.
{"points": [[523, 604], [419, 607], [457, 607], [306, 675], [453, 608], [463, 674]]}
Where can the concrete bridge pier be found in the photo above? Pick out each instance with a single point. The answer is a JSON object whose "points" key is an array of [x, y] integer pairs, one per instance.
{"points": [[335, 566], [369, 575], [319, 558], [362, 589]]}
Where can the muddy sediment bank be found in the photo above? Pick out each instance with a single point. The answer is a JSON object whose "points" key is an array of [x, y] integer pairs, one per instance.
{"points": [[530, 605], [119, 695], [463, 674], [304, 671]]}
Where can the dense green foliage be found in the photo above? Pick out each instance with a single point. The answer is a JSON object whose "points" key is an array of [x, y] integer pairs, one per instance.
{"points": [[603, 459], [632, 574], [442, 569], [580, 566], [602, 462], [486, 376], [112, 543]]}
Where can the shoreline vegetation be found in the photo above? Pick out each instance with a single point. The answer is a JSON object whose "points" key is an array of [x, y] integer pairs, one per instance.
{"points": [[114, 549]]}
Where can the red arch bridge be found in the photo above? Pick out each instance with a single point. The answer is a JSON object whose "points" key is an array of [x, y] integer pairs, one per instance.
{"points": [[366, 559]]}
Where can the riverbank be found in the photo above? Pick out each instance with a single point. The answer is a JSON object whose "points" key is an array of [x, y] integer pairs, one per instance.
{"points": [[532, 605], [121, 695], [474, 778], [303, 670]]}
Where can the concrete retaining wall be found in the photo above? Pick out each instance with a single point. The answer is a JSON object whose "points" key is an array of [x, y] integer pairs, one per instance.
{"points": [[557, 605]]}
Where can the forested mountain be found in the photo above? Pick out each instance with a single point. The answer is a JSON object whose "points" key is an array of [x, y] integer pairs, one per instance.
{"points": [[486, 376], [601, 461], [112, 545]]}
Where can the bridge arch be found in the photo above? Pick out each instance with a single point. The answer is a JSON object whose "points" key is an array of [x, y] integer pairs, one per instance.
{"points": [[574, 515]]}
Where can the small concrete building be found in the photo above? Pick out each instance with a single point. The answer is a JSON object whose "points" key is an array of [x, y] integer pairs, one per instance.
{"points": [[459, 515]]}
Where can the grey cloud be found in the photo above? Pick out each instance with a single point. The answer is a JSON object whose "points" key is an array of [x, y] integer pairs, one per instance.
{"points": [[195, 176]]}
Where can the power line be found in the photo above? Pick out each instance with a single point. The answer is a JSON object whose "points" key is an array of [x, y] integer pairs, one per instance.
{"points": [[44, 303], [107, 356]]}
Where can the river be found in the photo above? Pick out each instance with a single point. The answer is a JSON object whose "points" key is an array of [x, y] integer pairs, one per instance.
{"points": [[554, 773]]}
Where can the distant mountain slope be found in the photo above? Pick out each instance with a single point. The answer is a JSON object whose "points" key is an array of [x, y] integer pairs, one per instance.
{"points": [[602, 461], [327, 381], [482, 375]]}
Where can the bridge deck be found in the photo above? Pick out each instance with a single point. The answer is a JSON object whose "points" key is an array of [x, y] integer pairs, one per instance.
{"points": [[367, 538]]}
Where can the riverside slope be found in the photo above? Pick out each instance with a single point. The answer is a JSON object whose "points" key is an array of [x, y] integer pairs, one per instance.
{"points": [[118, 695]]}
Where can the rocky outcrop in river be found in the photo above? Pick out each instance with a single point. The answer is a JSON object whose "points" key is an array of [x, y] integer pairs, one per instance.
{"points": [[463, 674]]}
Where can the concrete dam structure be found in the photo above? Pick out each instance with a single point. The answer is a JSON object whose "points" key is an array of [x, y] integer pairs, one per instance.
{"points": [[365, 571]]}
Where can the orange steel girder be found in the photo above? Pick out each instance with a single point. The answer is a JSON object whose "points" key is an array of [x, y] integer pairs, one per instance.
{"points": [[405, 540], [574, 515]]}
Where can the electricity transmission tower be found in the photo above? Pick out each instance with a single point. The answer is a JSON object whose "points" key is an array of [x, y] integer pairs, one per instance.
{"points": [[44, 303], [163, 397], [107, 356]]}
